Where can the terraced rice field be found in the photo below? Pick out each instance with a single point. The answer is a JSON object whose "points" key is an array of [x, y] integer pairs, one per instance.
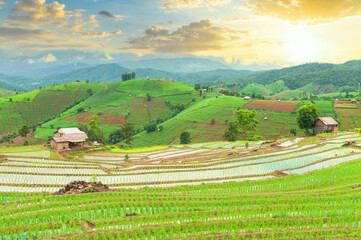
{"points": [[218, 190]]}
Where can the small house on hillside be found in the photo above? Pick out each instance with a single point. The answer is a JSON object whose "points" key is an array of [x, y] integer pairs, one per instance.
{"points": [[67, 138], [354, 101], [326, 124], [247, 98], [335, 100]]}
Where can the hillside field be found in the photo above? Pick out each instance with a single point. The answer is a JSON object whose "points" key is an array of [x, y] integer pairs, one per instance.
{"points": [[39, 106], [120, 102]]}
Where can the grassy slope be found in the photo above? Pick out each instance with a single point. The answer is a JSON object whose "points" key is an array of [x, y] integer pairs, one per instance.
{"points": [[5, 93], [126, 101], [266, 90], [38, 106]]}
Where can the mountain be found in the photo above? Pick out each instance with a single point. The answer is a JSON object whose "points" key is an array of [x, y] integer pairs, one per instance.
{"points": [[15, 83], [319, 74], [56, 69], [112, 72], [180, 65]]}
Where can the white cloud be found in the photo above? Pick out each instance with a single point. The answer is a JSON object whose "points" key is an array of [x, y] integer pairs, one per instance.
{"points": [[107, 57], [48, 58], [193, 3], [30, 61]]}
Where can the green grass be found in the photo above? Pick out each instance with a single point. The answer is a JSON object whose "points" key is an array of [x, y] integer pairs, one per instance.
{"points": [[5, 93], [265, 90], [22, 97], [119, 101], [154, 87]]}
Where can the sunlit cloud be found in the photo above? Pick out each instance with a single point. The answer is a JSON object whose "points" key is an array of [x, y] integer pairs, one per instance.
{"points": [[101, 34], [1, 3], [36, 12], [305, 11], [61, 44], [15, 34], [193, 38], [192, 3]]}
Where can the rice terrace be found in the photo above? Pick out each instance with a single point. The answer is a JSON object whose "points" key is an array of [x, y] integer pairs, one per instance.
{"points": [[180, 120]]}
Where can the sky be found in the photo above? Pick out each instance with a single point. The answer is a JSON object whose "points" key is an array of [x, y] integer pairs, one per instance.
{"points": [[243, 32]]}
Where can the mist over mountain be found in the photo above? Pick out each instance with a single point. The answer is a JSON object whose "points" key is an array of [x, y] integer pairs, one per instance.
{"points": [[183, 65]]}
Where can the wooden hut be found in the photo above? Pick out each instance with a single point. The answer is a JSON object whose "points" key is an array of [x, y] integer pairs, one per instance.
{"points": [[67, 138], [326, 124]]}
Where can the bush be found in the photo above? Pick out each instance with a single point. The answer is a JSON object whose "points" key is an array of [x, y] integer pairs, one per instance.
{"points": [[151, 127]]}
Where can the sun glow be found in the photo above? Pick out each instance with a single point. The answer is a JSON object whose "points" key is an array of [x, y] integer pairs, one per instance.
{"points": [[301, 46]]}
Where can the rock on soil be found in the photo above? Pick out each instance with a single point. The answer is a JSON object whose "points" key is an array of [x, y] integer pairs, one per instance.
{"points": [[81, 187]]}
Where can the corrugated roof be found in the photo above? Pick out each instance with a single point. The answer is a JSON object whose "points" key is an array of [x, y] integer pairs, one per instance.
{"points": [[61, 139], [71, 135], [69, 130], [328, 121]]}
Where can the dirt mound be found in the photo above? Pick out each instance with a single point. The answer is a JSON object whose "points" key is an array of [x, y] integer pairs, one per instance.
{"points": [[280, 173], [349, 143], [81, 187]]}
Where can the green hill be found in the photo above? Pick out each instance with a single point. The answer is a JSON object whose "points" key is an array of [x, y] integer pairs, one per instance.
{"points": [[39, 106], [318, 74], [126, 101], [265, 90]]}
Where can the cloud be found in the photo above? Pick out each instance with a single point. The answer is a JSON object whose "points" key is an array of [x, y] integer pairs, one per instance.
{"points": [[109, 15], [61, 44], [193, 38], [305, 11], [100, 34], [30, 61], [14, 35], [48, 58], [106, 57], [37, 12], [192, 3], [1, 3]]}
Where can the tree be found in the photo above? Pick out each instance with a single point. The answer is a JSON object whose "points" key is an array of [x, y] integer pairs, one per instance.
{"points": [[133, 75], [293, 131], [92, 129], [185, 138], [127, 76], [115, 136], [231, 133], [213, 121], [127, 132], [80, 110], [24, 130], [151, 127], [90, 91], [244, 125], [307, 116]]}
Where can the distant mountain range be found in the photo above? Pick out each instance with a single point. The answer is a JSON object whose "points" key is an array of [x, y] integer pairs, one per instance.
{"points": [[112, 73], [319, 74]]}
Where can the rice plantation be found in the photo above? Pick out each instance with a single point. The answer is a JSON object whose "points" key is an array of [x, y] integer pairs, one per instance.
{"points": [[215, 190]]}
